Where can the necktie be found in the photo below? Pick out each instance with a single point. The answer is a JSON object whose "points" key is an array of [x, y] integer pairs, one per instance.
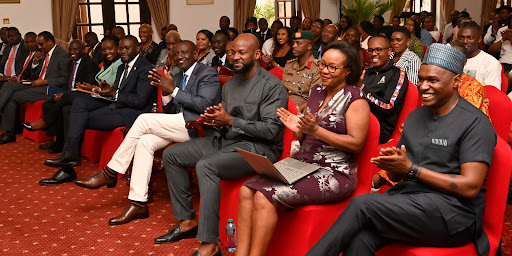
{"points": [[125, 74], [27, 61], [43, 71], [10, 61], [91, 52], [72, 77], [184, 82]]}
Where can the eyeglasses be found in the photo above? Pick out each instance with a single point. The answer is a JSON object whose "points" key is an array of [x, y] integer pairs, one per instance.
{"points": [[376, 50], [331, 68]]}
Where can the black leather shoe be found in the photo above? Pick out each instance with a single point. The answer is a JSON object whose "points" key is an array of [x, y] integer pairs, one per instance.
{"points": [[59, 177], [64, 160], [47, 146], [4, 139], [175, 235], [55, 149], [29, 127], [218, 253]]}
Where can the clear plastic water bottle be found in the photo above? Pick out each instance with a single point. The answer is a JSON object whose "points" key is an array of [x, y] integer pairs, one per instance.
{"points": [[231, 236], [155, 108]]}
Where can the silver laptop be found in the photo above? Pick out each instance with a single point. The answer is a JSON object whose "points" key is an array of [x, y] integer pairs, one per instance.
{"points": [[288, 170]]}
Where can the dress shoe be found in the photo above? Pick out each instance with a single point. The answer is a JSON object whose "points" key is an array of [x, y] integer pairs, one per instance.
{"points": [[131, 213], [218, 253], [47, 146], [64, 160], [56, 148], [4, 139], [59, 177], [175, 235], [96, 181], [29, 127]]}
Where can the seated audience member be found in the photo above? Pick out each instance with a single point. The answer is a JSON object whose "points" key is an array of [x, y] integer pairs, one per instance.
{"points": [[402, 57], [430, 26], [31, 62], [441, 201], [224, 23], [330, 33], [499, 20], [130, 96], [295, 23], [149, 50], [91, 41], [247, 119], [56, 111], [480, 65], [345, 24], [378, 23], [327, 22], [426, 38], [395, 21], [461, 21], [187, 95], [316, 28], [384, 86], [306, 24], [503, 46], [353, 38], [366, 30], [268, 46], [118, 32], [167, 61], [448, 29], [219, 42], [264, 33], [54, 71], [251, 25], [233, 33], [203, 42], [14, 56], [3, 37], [416, 46], [282, 49], [332, 131], [163, 33], [301, 73]]}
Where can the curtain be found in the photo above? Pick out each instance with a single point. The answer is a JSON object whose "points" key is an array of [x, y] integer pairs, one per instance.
{"points": [[487, 7], [159, 12], [243, 10], [447, 6], [311, 8], [63, 19], [397, 9]]}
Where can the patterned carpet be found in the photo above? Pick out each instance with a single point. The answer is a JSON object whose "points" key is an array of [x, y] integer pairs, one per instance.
{"points": [[69, 220]]}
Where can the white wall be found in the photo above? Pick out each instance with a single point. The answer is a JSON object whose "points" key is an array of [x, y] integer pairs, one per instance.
{"points": [[329, 9], [473, 7], [28, 15], [192, 18]]}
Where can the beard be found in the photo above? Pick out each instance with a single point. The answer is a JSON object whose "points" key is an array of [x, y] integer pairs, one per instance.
{"points": [[245, 67]]}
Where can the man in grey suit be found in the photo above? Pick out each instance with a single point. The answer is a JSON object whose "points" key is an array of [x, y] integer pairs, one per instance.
{"points": [[12, 61], [55, 71], [185, 97], [246, 119]]}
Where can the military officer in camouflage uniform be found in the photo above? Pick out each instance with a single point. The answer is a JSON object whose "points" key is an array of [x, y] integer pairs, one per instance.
{"points": [[301, 73]]}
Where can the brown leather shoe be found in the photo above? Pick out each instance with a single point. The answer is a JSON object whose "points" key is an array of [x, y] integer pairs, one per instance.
{"points": [[129, 214], [96, 181]]}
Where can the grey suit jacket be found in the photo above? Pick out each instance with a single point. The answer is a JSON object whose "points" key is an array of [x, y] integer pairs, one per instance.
{"points": [[202, 90], [59, 68], [19, 59]]}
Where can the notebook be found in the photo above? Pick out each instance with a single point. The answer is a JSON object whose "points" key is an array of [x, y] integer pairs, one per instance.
{"points": [[288, 170]]}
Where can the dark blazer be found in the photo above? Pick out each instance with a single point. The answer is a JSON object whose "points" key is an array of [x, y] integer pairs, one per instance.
{"points": [[216, 61], [97, 55], [136, 95], [86, 72], [59, 68], [31, 73], [202, 90], [262, 39], [153, 56], [19, 59]]}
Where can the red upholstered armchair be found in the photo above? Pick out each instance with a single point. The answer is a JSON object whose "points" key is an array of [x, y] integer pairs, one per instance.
{"points": [[498, 178], [500, 110], [277, 72]]}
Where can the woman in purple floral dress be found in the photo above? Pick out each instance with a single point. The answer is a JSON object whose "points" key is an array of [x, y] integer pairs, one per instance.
{"points": [[331, 132]]}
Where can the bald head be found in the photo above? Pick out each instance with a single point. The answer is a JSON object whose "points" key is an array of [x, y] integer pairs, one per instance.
{"points": [[245, 53], [248, 39]]}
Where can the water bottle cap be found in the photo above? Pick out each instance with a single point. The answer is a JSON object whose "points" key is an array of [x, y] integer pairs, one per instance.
{"points": [[230, 220]]}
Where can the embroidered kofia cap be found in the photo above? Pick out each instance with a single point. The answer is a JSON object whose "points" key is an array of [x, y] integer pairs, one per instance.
{"points": [[445, 56]]}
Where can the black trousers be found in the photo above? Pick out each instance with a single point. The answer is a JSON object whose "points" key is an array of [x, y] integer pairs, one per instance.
{"points": [[89, 113], [372, 221], [56, 113]]}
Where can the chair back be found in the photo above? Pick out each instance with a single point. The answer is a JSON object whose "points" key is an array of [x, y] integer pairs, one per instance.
{"points": [[504, 83], [412, 101], [500, 110], [223, 80], [366, 170], [288, 136], [277, 72]]}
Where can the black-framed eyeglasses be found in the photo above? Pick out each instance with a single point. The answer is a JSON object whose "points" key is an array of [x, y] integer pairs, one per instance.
{"points": [[331, 68], [377, 50]]}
